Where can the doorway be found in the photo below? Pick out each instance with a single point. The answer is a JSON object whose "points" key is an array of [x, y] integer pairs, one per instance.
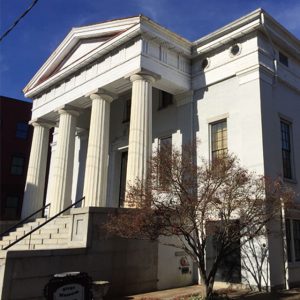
{"points": [[124, 157]]}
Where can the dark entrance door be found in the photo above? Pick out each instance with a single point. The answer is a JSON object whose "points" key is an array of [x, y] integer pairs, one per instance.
{"points": [[124, 157], [230, 267]]}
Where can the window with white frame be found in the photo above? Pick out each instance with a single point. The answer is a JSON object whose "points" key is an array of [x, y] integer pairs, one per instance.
{"points": [[293, 240], [286, 149], [218, 131]]}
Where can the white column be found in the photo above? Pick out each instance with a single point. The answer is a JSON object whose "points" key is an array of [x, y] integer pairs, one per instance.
{"points": [[140, 131], [35, 181], [63, 160], [96, 170]]}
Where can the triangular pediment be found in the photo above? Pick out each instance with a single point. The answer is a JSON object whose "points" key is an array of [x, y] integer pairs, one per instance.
{"points": [[78, 44], [83, 47]]}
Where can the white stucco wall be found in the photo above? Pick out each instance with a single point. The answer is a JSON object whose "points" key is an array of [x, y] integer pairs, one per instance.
{"points": [[241, 89]]}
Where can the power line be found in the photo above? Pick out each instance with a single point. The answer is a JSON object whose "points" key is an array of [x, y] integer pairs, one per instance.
{"points": [[18, 20]]}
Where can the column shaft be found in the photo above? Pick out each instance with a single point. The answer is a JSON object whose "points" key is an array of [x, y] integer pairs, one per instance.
{"points": [[140, 131], [35, 181], [63, 161], [95, 183]]}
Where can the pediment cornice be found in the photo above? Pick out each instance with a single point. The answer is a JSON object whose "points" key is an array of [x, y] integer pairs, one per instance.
{"points": [[108, 30], [109, 35]]}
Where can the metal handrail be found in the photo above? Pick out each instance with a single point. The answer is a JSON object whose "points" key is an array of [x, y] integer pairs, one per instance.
{"points": [[41, 225], [22, 221]]}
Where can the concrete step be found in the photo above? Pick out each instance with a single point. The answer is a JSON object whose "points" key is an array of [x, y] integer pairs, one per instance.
{"points": [[53, 226], [54, 235], [55, 242], [49, 247], [28, 241], [4, 243], [63, 230], [3, 246], [20, 247], [40, 220], [44, 230], [62, 219], [24, 229], [60, 236], [35, 236], [9, 238]]}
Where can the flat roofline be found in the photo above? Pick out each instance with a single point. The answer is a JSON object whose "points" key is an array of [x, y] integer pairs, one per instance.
{"points": [[239, 23]]}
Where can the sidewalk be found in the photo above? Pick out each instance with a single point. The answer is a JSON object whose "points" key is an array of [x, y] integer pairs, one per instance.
{"points": [[186, 292]]}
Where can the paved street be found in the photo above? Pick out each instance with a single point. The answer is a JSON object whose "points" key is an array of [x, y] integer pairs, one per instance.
{"points": [[185, 292]]}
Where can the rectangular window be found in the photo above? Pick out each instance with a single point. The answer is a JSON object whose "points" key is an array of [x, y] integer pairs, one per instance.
{"points": [[127, 109], [288, 239], [286, 149], [11, 207], [218, 139], [17, 165], [296, 236], [165, 99], [165, 165], [22, 130], [293, 240], [283, 59]]}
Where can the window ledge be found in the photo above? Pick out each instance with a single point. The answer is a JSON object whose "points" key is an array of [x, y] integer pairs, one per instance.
{"points": [[288, 180], [165, 107], [294, 265]]}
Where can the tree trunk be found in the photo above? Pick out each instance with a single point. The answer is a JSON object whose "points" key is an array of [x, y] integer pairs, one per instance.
{"points": [[207, 284], [209, 288]]}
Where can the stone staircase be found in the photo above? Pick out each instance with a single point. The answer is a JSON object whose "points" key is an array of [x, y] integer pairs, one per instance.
{"points": [[54, 235]]}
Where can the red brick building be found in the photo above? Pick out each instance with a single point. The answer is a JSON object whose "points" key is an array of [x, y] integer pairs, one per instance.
{"points": [[15, 145]]}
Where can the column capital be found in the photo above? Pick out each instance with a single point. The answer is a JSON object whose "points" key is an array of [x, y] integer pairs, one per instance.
{"points": [[41, 122], [144, 77], [68, 109], [143, 74], [101, 94], [81, 132]]}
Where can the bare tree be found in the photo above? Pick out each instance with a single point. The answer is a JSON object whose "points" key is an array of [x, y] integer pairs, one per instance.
{"points": [[254, 256], [193, 201]]}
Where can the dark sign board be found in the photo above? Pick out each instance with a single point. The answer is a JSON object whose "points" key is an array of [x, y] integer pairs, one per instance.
{"points": [[69, 286]]}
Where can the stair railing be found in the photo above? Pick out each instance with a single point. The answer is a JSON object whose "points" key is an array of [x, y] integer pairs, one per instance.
{"points": [[41, 225], [2, 234]]}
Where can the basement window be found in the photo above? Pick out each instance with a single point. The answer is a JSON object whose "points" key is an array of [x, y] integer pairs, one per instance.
{"points": [[283, 59]]}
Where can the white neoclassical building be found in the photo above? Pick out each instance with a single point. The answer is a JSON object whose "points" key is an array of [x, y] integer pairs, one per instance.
{"points": [[114, 90]]}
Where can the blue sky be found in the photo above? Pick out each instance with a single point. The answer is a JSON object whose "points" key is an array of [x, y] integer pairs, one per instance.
{"points": [[27, 47]]}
